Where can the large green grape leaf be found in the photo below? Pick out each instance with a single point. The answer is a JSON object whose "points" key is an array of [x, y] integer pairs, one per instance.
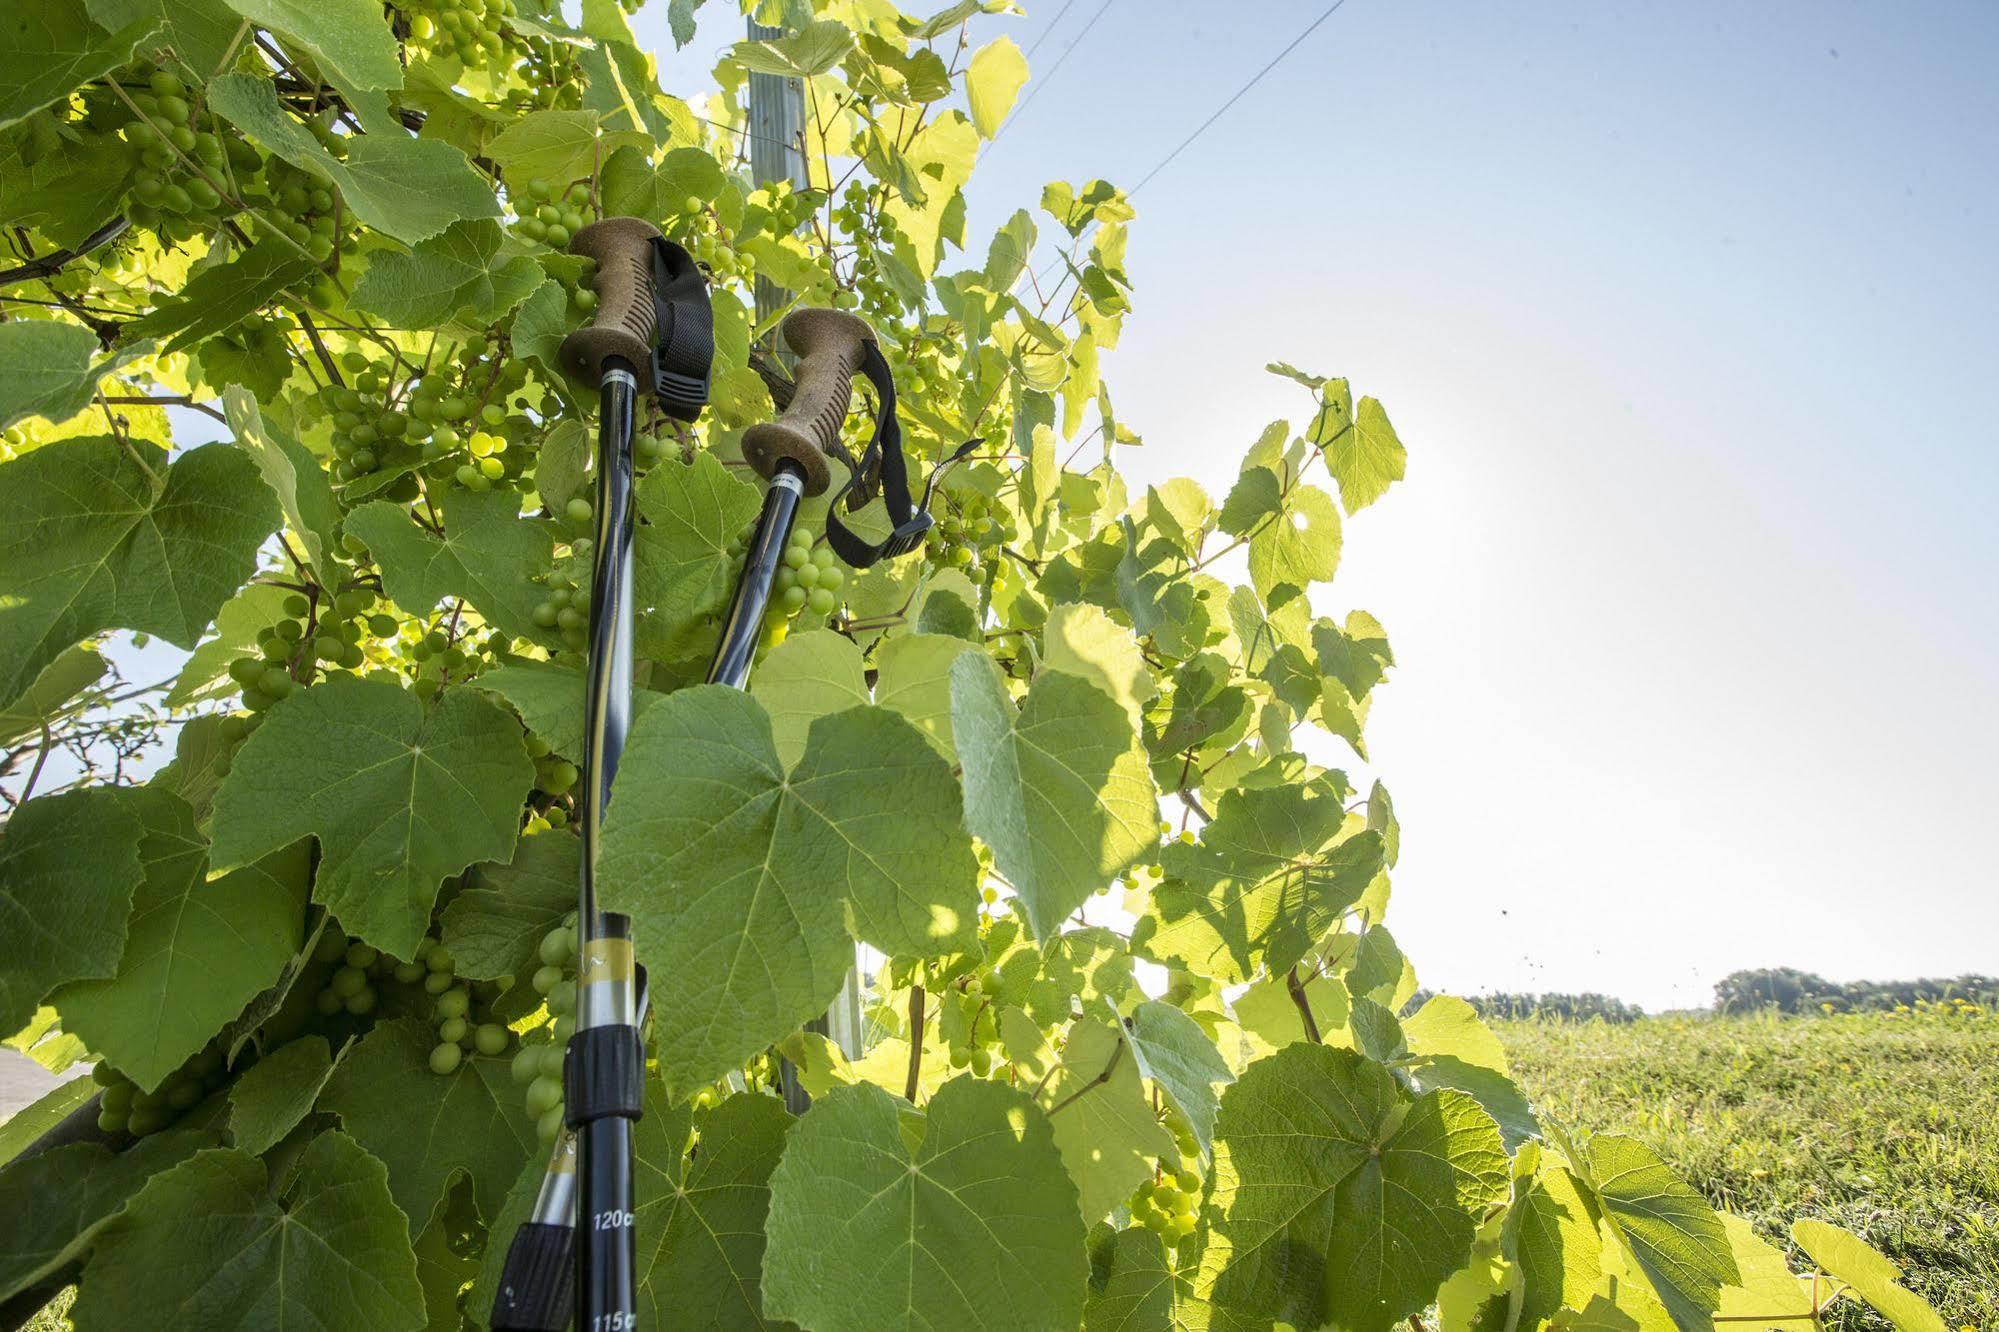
{"points": [[206, 1247], [48, 369], [957, 1216], [95, 535], [806, 677], [494, 926], [398, 794], [1669, 1230], [1450, 1047], [69, 865], [52, 1205], [277, 1092], [407, 188], [1134, 1287], [431, 1130], [304, 492], [50, 47], [1299, 546], [195, 952], [913, 677], [487, 554], [1342, 1198], [254, 608], [1176, 1054], [692, 512], [1104, 1126], [1268, 877], [52, 692], [453, 274], [1770, 1297], [740, 878], [994, 78], [346, 38], [1060, 790], [1552, 1231], [221, 296], [1363, 452], [813, 49], [559, 146], [1084, 641], [197, 30], [700, 1216], [1868, 1273]]}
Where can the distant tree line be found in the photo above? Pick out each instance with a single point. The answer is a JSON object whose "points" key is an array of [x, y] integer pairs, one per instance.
{"points": [[1556, 1007], [1789, 990]]}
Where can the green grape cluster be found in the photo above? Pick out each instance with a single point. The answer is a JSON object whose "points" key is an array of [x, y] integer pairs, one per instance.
{"points": [[475, 31], [550, 215], [873, 234], [317, 634], [1169, 1204], [537, 1067], [966, 533], [979, 998], [123, 1108], [809, 582]]}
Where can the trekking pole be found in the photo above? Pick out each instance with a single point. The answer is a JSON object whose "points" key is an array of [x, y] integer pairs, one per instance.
{"points": [[653, 333]]}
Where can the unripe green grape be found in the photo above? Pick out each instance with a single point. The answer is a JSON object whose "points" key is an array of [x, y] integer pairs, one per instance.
{"points": [[112, 1121], [796, 557], [452, 1028], [562, 999], [554, 947], [552, 1057], [445, 1058], [453, 1004], [549, 1126], [363, 1003], [821, 601], [332, 947], [543, 1095], [409, 973], [145, 1120], [439, 959], [545, 979], [808, 575], [246, 670], [792, 598], [832, 578], [348, 981], [561, 776], [117, 1097], [328, 1003], [526, 1066], [296, 606], [489, 1039]]}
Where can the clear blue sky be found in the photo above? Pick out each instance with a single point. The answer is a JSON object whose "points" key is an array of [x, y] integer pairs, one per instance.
{"points": [[1687, 315]]}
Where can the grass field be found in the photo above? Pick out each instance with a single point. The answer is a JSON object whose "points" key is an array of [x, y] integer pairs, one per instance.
{"points": [[1886, 1124]]}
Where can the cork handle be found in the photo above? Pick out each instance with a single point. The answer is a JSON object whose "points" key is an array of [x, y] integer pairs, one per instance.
{"points": [[829, 344], [623, 326]]}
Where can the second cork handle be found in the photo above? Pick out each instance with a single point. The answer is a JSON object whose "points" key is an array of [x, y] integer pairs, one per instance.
{"points": [[829, 345]]}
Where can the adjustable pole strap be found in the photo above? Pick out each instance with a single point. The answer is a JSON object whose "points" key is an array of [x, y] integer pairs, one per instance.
{"points": [[883, 460], [684, 356]]}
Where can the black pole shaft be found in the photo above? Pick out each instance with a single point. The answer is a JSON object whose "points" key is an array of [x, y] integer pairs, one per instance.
{"points": [[741, 630], [606, 1253], [743, 626]]}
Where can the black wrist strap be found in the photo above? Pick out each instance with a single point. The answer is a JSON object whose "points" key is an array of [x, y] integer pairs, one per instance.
{"points": [[883, 460], [684, 354]]}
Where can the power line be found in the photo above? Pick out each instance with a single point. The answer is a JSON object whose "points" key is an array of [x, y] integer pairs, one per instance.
{"points": [[1222, 110], [1046, 32], [1205, 125], [1054, 69]]}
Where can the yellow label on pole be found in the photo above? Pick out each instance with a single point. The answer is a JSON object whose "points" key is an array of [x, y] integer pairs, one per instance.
{"points": [[607, 960]]}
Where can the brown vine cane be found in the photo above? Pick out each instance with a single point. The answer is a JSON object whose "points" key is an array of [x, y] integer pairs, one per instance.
{"points": [[829, 344], [624, 325]]}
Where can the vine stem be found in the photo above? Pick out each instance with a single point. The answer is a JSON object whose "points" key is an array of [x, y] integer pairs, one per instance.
{"points": [[1298, 997], [1110, 1066], [916, 996]]}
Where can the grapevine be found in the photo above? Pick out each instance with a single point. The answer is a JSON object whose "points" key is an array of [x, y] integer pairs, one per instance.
{"points": [[281, 389]]}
